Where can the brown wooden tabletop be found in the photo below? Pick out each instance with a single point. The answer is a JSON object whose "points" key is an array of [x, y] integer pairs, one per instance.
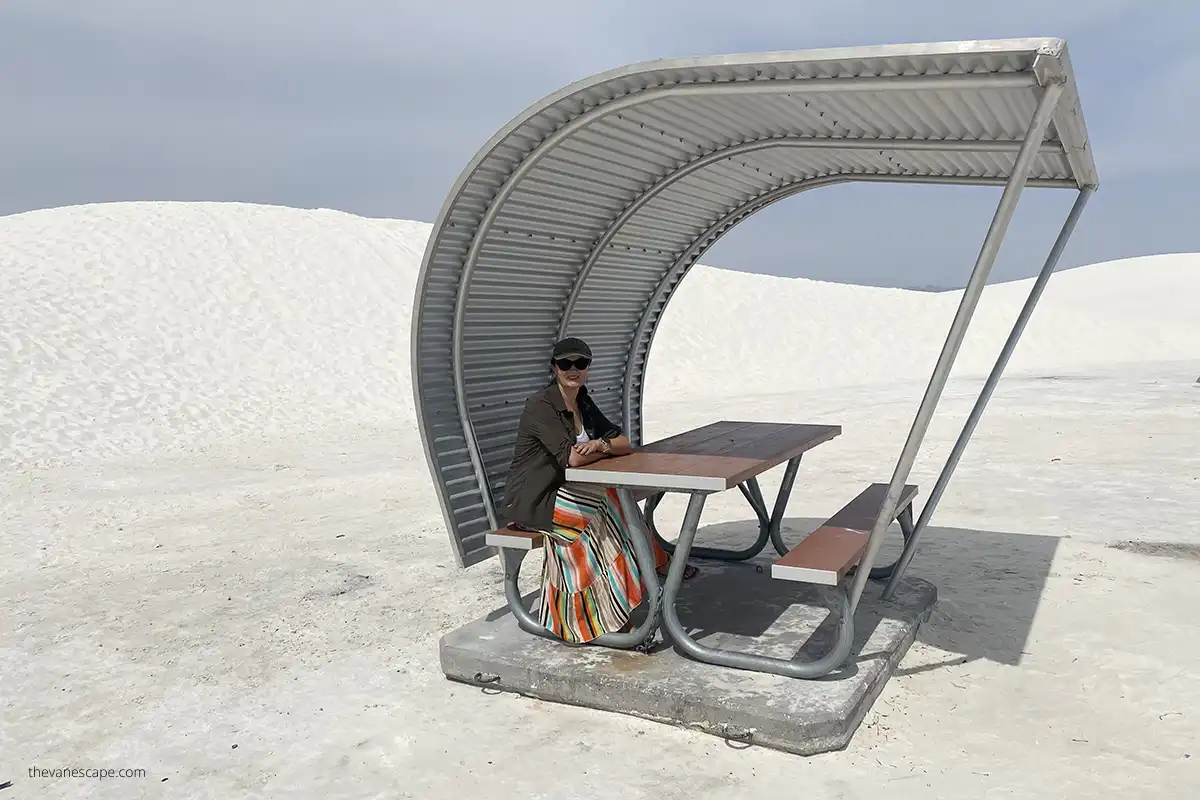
{"points": [[713, 458]]}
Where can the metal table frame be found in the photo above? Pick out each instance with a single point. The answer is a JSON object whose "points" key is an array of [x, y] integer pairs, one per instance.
{"points": [[768, 524], [677, 633], [768, 529]]}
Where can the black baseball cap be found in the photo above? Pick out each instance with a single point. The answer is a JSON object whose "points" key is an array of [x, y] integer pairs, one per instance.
{"points": [[571, 347]]}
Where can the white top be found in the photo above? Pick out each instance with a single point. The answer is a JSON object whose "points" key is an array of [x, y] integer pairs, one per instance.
{"points": [[581, 437]]}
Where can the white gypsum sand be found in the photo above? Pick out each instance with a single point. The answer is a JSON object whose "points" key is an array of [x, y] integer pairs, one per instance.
{"points": [[219, 528]]}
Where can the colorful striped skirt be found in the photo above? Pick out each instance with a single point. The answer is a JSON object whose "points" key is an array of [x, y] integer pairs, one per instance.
{"points": [[590, 577]]}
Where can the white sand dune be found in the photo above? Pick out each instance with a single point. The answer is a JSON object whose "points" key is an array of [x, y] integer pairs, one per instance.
{"points": [[127, 327], [134, 326], [219, 529], [837, 334]]}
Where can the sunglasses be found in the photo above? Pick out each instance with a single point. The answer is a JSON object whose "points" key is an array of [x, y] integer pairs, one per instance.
{"points": [[565, 364]]}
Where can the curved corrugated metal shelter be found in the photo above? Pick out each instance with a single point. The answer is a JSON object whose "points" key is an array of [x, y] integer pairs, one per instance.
{"points": [[583, 214]]}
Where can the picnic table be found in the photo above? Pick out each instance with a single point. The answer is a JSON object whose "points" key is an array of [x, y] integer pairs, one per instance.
{"points": [[715, 458], [704, 461]]}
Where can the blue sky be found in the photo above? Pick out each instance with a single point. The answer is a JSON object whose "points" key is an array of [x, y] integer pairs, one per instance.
{"points": [[374, 107]]}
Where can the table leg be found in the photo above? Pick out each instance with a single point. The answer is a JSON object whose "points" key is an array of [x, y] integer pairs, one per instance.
{"points": [[648, 517], [731, 658], [754, 496], [642, 635], [768, 526], [781, 501]]}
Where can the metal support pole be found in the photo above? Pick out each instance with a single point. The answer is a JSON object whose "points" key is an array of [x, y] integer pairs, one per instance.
{"points": [[1030, 148], [1010, 345]]}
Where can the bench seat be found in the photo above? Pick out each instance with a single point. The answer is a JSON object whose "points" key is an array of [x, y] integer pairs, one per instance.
{"points": [[531, 540], [829, 552]]}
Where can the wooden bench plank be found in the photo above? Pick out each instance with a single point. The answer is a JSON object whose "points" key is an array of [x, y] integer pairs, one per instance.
{"points": [[695, 442], [514, 539], [714, 458], [828, 553], [860, 513], [781, 444], [765, 441], [674, 471], [531, 540], [823, 557], [711, 440]]}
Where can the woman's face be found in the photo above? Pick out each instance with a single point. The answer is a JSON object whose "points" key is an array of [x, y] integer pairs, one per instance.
{"points": [[571, 371]]}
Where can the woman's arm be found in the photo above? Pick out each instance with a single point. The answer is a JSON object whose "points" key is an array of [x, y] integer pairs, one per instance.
{"points": [[593, 451], [604, 431], [578, 459]]}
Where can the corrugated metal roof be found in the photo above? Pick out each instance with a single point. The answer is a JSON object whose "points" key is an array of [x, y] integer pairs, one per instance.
{"points": [[584, 213]]}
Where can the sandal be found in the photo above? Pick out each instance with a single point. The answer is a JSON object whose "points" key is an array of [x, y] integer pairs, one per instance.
{"points": [[689, 572]]}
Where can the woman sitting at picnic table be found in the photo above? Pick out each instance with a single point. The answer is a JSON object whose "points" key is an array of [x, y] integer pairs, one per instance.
{"points": [[590, 577]]}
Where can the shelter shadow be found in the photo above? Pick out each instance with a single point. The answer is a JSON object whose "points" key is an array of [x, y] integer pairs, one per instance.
{"points": [[989, 586]]}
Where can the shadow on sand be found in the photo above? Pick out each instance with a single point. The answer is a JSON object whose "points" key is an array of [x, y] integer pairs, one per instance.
{"points": [[989, 585]]}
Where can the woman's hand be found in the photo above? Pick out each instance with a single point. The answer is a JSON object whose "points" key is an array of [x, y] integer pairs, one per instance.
{"points": [[586, 453], [590, 447]]}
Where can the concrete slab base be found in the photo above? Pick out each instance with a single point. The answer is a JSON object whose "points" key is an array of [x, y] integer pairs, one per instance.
{"points": [[734, 606]]}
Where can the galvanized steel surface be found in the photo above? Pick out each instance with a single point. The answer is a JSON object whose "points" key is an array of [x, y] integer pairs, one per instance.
{"points": [[583, 214]]}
